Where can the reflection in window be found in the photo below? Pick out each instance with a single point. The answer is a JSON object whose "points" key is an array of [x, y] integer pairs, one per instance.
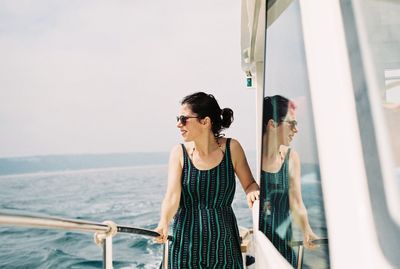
{"points": [[291, 204], [281, 199]]}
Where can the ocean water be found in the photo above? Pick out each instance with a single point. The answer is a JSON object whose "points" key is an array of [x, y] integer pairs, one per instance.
{"points": [[129, 196]]}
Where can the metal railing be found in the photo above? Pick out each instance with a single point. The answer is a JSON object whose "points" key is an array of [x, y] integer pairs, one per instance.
{"points": [[300, 252], [103, 231]]}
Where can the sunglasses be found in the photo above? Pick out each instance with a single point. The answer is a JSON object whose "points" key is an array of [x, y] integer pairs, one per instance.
{"points": [[292, 123], [182, 119]]}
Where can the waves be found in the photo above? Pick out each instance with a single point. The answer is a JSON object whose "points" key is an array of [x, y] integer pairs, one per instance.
{"points": [[129, 196], [126, 196], [55, 163]]}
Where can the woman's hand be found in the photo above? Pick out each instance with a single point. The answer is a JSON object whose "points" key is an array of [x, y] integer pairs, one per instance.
{"points": [[252, 196], [162, 229], [309, 236]]}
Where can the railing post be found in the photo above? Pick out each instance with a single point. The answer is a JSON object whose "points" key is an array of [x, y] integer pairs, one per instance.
{"points": [[300, 257], [165, 254], [106, 240], [107, 253]]}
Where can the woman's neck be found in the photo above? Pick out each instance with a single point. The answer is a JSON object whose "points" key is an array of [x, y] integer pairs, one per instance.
{"points": [[271, 146], [205, 145]]}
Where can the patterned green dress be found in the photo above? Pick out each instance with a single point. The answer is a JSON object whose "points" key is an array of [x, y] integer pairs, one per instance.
{"points": [[205, 232], [275, 221]]}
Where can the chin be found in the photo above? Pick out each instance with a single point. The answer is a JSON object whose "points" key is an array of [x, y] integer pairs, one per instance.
{"points": [[186, 139]]}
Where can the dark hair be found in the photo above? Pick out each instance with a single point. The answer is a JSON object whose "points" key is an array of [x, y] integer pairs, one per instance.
{"points": [[205, 105], [275, 108]]}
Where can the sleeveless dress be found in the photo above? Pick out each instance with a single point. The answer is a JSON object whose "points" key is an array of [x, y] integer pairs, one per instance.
{"points": [[274, 220], [205, 232]]}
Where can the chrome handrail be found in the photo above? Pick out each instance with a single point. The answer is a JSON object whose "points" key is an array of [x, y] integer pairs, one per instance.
{"points": [[300, 253], [319, 241], [52, 222], [106, 230]]}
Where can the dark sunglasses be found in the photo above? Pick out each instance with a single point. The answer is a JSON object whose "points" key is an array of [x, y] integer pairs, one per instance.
{"points": [[292, 123], [182, 119]]}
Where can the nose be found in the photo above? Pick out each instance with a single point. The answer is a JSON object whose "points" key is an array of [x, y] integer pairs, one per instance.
{"points": [[295, 129], [179, 124]]}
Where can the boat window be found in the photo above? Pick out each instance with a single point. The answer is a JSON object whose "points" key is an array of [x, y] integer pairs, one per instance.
{"points": [[291, 201], [373, 39]]}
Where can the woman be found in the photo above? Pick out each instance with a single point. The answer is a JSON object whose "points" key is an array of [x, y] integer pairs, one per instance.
{"points": [[280, 184], [201, 186]]}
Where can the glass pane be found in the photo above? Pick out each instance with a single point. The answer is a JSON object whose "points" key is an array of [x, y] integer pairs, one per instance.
{"points": [[375, 34], [291, 204], [382, 23]]}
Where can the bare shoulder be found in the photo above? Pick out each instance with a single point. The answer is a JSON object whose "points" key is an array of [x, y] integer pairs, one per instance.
{"points": [[176, 154], [237, 151], [294, 162], [294, 156], [235, 145]]}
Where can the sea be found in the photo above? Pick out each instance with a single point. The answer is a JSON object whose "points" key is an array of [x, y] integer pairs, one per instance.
{"points": [[129, 195]]}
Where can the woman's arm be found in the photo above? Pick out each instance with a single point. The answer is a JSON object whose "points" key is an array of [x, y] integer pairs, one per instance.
{"points": [[297, 207], [243, 172], [173, 194]]}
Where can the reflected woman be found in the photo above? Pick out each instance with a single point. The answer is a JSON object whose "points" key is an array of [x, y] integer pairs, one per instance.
{"points": [[280, 183]]}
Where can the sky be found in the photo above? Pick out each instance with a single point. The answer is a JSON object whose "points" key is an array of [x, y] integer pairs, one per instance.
{"points": [[107, 76]]}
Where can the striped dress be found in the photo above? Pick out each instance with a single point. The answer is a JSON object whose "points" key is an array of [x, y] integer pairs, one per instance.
{"points": [[205, 232], [275, 221]]}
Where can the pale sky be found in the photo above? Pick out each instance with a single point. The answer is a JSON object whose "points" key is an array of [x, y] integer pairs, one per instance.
{"points": [[107, 76]]}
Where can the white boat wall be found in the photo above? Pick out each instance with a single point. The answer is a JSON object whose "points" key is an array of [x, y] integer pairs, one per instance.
{"points": [[350, 53]]}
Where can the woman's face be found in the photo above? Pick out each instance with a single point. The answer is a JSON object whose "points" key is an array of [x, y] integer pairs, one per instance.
{"points": [[287, 129], [189, 127]]}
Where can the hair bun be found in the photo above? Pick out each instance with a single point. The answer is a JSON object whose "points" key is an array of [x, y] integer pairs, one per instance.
{"points": [[226, 117]]}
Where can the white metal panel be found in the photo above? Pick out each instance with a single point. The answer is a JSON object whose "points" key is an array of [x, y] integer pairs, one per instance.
{"points": [[352, 240], [385, 157], [252, 33], [267, 256]]}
